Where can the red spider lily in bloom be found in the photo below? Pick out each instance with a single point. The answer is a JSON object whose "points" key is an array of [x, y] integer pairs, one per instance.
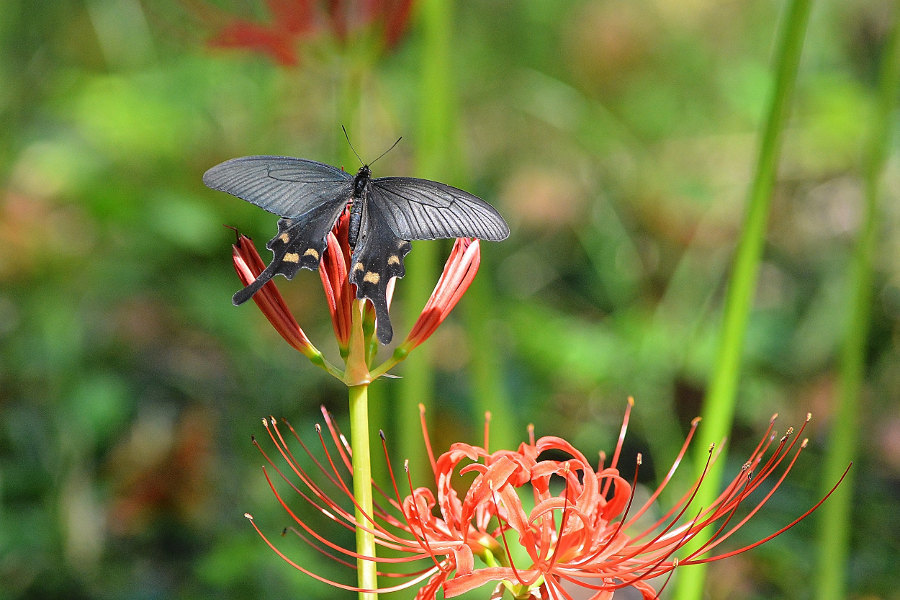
{"points": [[459, 271], [353, 321], [249, 264], [539, 527], [290, 21], [293, 21]]}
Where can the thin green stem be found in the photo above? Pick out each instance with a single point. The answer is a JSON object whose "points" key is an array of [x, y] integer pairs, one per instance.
{"points": [[719, 403], [836, 514], [367, 573], [437, 117], [387, 365], [318, 359]]}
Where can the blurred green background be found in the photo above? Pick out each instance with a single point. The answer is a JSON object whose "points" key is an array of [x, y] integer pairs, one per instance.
{"points": [[617, 136]]}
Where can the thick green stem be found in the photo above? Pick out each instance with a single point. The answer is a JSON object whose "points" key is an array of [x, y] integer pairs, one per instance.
{"points": [[432, 158], [719, 403], [836, 515], [367, 574], [488, 391]]}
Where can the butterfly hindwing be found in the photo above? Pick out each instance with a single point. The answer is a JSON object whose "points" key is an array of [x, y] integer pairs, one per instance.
{"points": [[299, 244], [377, 258], [420, 209]]}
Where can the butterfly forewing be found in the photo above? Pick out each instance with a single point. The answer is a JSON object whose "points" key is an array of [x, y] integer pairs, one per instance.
{"points": [[420, 209], [288, 187], [309, 195]]}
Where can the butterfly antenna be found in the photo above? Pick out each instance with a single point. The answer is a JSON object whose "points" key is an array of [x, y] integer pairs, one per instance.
{"points": [[346, 135], [388, 150]]}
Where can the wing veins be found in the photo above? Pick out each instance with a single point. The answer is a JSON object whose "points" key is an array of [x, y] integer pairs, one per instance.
{"points": [[423, 209]]}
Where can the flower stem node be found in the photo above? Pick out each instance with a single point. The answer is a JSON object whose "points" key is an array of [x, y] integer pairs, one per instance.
{"points": [[317, 359]]}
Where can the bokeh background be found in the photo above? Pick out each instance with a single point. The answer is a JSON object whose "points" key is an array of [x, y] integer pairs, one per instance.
{"points": [[617, 136]]}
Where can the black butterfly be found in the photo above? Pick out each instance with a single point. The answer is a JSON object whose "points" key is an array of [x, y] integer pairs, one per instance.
{"points": [[385, 213]]}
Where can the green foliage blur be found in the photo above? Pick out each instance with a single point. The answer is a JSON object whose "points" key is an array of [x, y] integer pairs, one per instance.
{"points": [[617, 136]]}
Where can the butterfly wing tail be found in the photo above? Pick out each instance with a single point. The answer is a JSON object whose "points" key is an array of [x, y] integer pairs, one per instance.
{"points": [[383, 328], [371, 280], [262, 279]]}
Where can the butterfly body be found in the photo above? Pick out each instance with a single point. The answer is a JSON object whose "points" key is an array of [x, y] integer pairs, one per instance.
{"points": [[360, 187], [385, 214]]}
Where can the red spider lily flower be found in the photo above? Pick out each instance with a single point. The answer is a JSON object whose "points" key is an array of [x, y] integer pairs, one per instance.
{"points": [[459, 271], [392, 16], [293, 21], [249, 265], [576, 525], [335, 281]]}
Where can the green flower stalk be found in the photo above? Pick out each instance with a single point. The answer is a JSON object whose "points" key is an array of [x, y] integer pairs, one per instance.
{"points": [[721, 398], [291, 24], [835, 521]]}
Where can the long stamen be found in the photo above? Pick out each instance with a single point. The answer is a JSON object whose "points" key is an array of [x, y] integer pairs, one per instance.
{"points": [[346, 453], [780, 531], [333, 507], [440, 564], [300, 568], [718, 539], [620, 441], [622, 519], [427, 439], [662, 486], [684, 503]]}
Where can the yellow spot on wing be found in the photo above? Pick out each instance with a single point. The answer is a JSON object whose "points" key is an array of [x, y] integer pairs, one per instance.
{"points": [[291, 257], [371, 277], [394, 260], [312, 252], [284, 238], [358, 267]]}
